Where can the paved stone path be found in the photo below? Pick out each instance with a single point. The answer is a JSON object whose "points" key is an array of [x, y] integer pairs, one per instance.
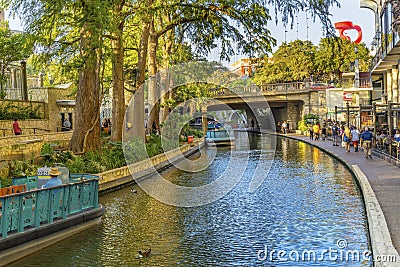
{"points": [[383, 177]]}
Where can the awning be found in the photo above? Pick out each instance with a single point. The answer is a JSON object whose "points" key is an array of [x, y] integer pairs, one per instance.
{"points": [[66, 102]]}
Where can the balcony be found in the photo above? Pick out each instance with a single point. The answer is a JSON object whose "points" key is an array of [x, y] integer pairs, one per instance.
{"points": [[349, 81], [387, 42]]}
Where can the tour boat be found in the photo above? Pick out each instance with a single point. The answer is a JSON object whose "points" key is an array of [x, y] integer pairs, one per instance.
{"points": [[219, 137], [32, 217]]}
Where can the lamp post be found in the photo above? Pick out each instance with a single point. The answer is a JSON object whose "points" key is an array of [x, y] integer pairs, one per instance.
{"points": [[356, 69], [24, 80]]}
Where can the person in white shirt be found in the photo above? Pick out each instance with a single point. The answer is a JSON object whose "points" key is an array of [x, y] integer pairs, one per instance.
{"points": [[355, 138]]}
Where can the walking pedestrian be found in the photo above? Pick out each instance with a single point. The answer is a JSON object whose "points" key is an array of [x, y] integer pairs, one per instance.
{"points": [[335, 134], [278, 127], [310, 130], [284, 127], [355, 138], [316, 131], [323, 132], [366, 142], [347, 138]]}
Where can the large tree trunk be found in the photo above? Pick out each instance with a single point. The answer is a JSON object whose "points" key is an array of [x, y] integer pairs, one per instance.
{"points": [[165, 77], [118, 104], [86, 135], [138, 129], [153, 93]]}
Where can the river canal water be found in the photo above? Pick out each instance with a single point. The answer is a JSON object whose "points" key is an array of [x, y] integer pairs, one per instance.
{"points": [[309, 207]]}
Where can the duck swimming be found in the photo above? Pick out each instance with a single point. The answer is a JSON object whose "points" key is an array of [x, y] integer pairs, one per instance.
{"points": [[145, 253]]}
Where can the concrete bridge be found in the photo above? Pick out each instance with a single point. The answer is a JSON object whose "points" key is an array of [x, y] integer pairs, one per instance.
{"points": [[286, 101]]}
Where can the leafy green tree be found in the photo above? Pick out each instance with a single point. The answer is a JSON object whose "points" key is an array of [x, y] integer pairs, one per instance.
{"points": [[336, 55], [324, 62], [71, 32], [285, 62], [14, 47]]}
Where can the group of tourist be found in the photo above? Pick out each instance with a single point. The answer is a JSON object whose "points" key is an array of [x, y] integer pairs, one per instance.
{"points": [[316, 131], [344, 136], [282, 127]]}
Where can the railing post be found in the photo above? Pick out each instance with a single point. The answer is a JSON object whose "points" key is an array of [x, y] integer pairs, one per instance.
{"points": [[360, 110], [69, 199], [20, 214], [4, 217], [81, 196], [374, 121], [96, 194], [50, 211], [389, 110], [64, 202], [336, 114], [37, 215]]}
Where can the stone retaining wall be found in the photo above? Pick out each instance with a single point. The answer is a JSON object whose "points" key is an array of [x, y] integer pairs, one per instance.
{"points": [[25, 147], [128, 174], [29, 127]]}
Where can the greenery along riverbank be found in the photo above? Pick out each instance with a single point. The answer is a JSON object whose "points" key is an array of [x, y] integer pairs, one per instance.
{"points": [[112, 155]]}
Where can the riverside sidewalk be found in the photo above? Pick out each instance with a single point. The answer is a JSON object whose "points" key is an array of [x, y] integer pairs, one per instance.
{"points": [[384, 179]]}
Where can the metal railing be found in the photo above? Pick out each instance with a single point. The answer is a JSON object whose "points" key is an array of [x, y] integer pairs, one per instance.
{"points": [[273, 87], [34, 208], [284, 87], [362, 83]]}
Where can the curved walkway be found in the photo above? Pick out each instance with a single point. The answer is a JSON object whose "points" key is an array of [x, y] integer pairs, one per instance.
{"points": [[380, 184]]}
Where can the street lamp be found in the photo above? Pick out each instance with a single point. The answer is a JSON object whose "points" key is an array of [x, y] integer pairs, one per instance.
{"points": [[356, 69], [24, 80]]}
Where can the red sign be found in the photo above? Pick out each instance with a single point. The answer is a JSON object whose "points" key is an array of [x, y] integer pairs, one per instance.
{"points": [[343, 26], [347, 96]]}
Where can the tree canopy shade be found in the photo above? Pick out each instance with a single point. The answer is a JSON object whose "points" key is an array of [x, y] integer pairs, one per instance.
{"points": [[336, 55], [14, 47], [291, 62], [299, 60], [93, 37], [72, 33]]}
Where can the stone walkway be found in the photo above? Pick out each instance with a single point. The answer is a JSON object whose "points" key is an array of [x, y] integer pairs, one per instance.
{"points": [[383, 177]]}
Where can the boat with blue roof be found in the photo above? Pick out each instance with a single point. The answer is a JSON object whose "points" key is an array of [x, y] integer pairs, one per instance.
{"points": [[33, 217]]}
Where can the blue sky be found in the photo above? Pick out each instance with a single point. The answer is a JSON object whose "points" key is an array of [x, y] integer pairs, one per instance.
{"points": [[349, 11]]}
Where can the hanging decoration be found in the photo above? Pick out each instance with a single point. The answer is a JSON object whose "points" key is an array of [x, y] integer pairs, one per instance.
{"points": [[343, 26]]}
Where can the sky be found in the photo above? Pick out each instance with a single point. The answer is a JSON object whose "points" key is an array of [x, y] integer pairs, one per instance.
{"points": [[349, 11]]}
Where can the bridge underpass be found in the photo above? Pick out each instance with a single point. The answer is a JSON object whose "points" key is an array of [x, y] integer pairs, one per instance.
{"points": [[287, 102], [265, 115]]}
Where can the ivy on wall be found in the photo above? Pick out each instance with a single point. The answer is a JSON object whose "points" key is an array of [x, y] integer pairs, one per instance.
{"points": [[11, 112]]}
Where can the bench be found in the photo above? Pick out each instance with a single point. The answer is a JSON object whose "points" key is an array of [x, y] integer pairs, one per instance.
{"points": [[14, 189]]}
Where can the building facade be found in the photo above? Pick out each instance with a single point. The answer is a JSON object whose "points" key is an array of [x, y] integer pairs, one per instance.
{"points": [[386, 44]]}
